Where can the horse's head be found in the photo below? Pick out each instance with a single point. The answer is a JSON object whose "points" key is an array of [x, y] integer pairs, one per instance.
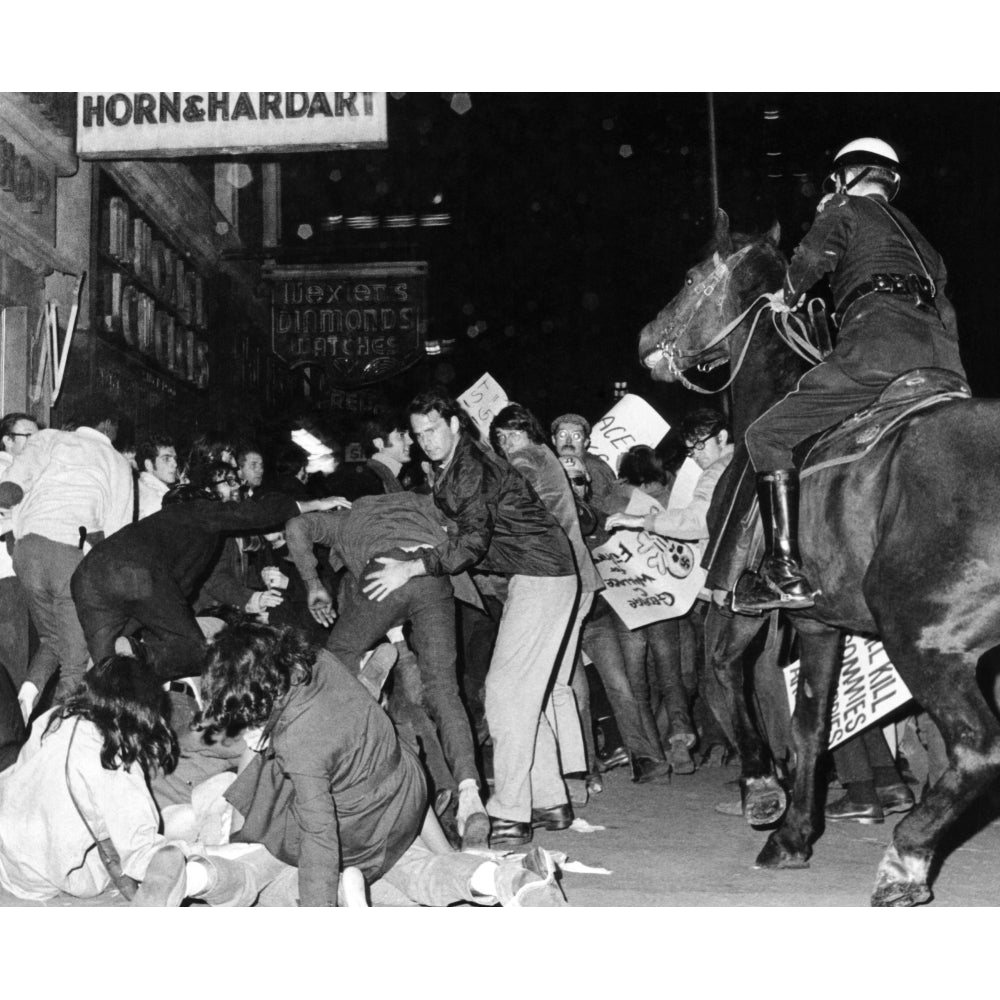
{"points": [[715, 292]]}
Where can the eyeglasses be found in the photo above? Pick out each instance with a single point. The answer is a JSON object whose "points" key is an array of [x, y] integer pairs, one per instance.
{"points": [[230, 480], [570, 435], [698, 445]]}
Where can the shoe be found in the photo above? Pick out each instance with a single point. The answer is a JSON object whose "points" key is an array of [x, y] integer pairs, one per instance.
{"points": [[867, 813], [509, 833], [895, 798], [476, 835], [531, 881], [164, 881], [680, 756], [351, 890], [646, 769], [554, 818], [612, 760], [595, 784], [377, 668], [781, 582]]}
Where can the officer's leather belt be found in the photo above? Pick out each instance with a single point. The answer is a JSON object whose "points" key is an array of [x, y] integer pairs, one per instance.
{"points": [[921, 288]]}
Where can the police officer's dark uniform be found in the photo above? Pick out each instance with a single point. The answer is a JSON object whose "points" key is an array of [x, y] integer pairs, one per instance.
{"points": [[888, 286]]}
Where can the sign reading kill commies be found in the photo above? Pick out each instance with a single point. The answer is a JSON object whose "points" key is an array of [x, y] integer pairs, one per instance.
{"points": [[869, 688], [648, 578], [360, 322]]}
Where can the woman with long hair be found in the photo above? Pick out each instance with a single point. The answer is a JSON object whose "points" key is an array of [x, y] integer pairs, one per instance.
{"points": [[342, 790], [80, 779], [77, 816]]}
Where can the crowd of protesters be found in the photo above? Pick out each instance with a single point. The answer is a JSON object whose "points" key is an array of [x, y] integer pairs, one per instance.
{"points": [[254, 676]]}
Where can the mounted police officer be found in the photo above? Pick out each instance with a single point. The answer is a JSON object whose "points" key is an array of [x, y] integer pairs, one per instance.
{"points": [[888, 287]]}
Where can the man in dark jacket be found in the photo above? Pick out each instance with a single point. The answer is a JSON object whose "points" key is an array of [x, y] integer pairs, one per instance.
{"points": [[143, 576], [502, 528], [888, 284]]}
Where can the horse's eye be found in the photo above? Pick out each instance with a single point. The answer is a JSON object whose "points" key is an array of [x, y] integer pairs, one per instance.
{"points": [[689, 280]]}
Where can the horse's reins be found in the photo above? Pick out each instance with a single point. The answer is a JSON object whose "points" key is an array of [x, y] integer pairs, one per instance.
{"points": [[792, 330]]}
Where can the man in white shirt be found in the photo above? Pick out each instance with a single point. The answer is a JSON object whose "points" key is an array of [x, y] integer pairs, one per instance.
{"points": [[66, 491], [157, 461]]}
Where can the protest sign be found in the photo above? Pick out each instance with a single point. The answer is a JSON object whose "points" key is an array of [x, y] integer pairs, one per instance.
{"points": [[483, 401], [869, 688], [648, 578], [630, 421]]}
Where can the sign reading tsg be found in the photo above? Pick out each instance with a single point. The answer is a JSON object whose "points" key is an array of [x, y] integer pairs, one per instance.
{"points": [[361, 322], [168, 123]]}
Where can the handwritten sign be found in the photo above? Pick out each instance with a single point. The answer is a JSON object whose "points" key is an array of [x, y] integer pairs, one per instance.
{"points": [[483, 401], [630, 421], [648, 578], [869, 688]]}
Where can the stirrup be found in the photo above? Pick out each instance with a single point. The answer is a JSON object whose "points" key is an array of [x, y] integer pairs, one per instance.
{"points": [[755, 593]]}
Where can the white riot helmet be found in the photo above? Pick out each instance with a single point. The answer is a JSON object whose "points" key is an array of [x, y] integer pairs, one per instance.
{"points": [[867, 153]]}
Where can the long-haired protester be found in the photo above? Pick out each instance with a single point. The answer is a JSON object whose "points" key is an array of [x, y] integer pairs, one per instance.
{"points": [[80, 781], [337, 787], [77, 818]]}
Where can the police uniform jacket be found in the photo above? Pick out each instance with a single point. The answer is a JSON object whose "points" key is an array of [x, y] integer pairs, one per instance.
{"points": [[881, 335]]}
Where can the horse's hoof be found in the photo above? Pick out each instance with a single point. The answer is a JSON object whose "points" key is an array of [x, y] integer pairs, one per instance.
{"points": [[774, 855], [902, 894], [901, 880], [764, 802]]}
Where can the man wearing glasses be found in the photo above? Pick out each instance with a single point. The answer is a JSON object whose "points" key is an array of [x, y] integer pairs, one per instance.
{"points": [[571, 437]]}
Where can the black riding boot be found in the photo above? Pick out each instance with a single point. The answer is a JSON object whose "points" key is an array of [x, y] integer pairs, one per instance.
{"points": [[780, 582]]}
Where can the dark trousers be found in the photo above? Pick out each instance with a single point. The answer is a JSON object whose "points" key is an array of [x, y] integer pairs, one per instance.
{"points": [[427, 603], [15, 629], [824, 396], [602, 642], [866, 757], [44, 568], [114, 599], [12, 733]]}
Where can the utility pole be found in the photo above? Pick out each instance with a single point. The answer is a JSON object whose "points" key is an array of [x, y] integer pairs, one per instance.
{"points": [[713, 166]]}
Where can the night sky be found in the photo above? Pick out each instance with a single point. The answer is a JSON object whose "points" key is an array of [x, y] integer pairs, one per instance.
{"points": [[575, 215]]}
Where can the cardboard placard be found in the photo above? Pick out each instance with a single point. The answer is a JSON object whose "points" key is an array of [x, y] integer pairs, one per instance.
{"points": [[648, 578], [630, 421], [869, 688], [483, 401]]}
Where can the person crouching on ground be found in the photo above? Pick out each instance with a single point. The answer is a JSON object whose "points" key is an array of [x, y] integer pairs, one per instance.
{"points": [[360, 797]]}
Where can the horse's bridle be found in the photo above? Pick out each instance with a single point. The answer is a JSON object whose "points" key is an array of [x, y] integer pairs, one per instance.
{"points": [[796, 339]]}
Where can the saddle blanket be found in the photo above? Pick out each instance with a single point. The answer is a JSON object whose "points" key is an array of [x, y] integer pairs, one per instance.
{"points": [[910, 393]]}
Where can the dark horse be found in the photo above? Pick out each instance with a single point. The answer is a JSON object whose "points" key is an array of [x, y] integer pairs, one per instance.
{"points": [[904, 545]]}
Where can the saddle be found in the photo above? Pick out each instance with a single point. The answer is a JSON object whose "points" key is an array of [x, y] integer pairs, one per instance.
{"points": [[910, 393]]}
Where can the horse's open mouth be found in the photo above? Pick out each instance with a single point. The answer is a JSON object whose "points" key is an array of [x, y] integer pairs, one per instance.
{"points": [[663, 361]]}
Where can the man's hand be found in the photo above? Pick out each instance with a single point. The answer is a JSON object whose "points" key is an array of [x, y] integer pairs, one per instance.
{"points": [[326, 503], [262, 600], [26, 698], [633, 521], [273, 578], [381, 583], [321, 605]]}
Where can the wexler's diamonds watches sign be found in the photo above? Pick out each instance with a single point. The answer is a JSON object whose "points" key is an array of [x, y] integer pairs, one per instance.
{"points": [[176, 123], [360, 322]]}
